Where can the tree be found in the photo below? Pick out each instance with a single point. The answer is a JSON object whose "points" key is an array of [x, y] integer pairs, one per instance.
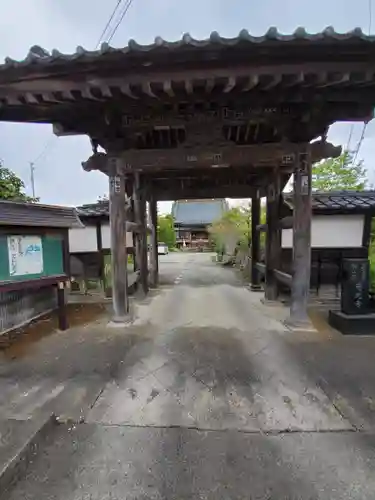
{"points": [[231, 230], [166, 232], [341, 173], [11, 186]]}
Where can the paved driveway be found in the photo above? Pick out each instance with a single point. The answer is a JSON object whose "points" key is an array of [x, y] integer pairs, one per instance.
{"points": [[205, 396]]}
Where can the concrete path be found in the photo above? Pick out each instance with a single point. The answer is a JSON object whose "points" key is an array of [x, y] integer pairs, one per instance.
{"points": [[206, 395]]}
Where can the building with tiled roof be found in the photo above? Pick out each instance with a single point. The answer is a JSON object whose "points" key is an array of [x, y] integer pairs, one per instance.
{"points": [[348, 202], [192, 219], [340, 229], [90, 244]]}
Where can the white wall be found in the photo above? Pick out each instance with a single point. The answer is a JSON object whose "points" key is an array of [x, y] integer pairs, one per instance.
{"points": [[83, 239], [331, 231], [106, 239]]}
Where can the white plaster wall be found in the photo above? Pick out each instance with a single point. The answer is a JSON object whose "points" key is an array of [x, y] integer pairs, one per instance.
{"points": [[106, 239], [331, 231], [83, 239]]}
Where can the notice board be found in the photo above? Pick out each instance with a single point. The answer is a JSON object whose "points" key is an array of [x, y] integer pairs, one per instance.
{"points": [[24, 257]]}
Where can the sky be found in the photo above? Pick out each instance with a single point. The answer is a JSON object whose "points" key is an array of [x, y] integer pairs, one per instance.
{"points": [[66, 24]]}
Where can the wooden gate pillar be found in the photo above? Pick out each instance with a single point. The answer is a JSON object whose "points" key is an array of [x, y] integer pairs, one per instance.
{"points": [[117, 221], [255, 243], [141, 239], [154, 262], [273, 237], [301, 240]]}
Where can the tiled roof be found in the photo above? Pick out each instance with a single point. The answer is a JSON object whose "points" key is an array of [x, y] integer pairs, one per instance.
{"points": [[340, 201], [35, 214], [100, 209], [38, 55], [198, 211]]}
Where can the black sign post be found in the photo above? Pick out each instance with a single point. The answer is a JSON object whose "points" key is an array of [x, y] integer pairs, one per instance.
{"points": [[355, 286]]}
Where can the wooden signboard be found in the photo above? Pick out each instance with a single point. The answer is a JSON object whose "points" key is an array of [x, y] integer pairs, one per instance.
{"points": [[28, 257]]}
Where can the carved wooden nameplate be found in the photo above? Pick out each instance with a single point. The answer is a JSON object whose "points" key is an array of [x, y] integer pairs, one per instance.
{"points": [[192, 114]]}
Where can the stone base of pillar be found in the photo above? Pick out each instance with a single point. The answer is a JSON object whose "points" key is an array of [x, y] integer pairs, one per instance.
{"points": [[140, 294], [120, 321], [271, 303], [304, 325]]}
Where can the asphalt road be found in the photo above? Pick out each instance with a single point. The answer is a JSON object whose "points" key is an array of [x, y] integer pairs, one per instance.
{"points": [[205, 396]]}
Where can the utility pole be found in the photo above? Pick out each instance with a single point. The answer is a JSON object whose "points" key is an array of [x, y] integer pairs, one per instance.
{"points": [[32, 169]]}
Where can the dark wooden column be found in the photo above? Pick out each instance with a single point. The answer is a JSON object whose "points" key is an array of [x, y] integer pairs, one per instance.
{"points": [[141, 240], [301, 239], [134, 234], [99, 244], [117, 221], [255, 243], [273, 236], [137, 219], [154, 262]]}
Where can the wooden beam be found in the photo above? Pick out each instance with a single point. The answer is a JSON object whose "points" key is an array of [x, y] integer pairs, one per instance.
{"points": [[137, 218], [230, 85], [237, 191], [132, 227], [119, 261], [302, 213], [167, 87], [286, 222], [273, 237], [255, 242], [144, 245], [141, 238], [238, 131], [275, 80], [61, 306], [87, 94], [154, 261], [146, 88], [210, 84], [248, 125], [132, 209], [341, 78], [261, 267], [105, 90], [99, 244], [125, 89], [295, 80], [188, 87], [46, 80], [252, 82], [265, 155], [284, 278]]}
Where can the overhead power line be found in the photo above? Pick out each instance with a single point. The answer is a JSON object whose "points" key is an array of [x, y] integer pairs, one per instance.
{"points": [[360, 142], [44, 150], [120, 19], [350, 137], [102, 35], [111, 34]]}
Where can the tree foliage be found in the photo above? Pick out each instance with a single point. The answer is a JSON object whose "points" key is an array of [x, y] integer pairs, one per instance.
{"points": [[336, 174], [231, 230], [12, 187], [166, 232]]}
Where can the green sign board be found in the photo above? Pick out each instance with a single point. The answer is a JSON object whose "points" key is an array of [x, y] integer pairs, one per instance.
{"points": [[24, 257]]}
